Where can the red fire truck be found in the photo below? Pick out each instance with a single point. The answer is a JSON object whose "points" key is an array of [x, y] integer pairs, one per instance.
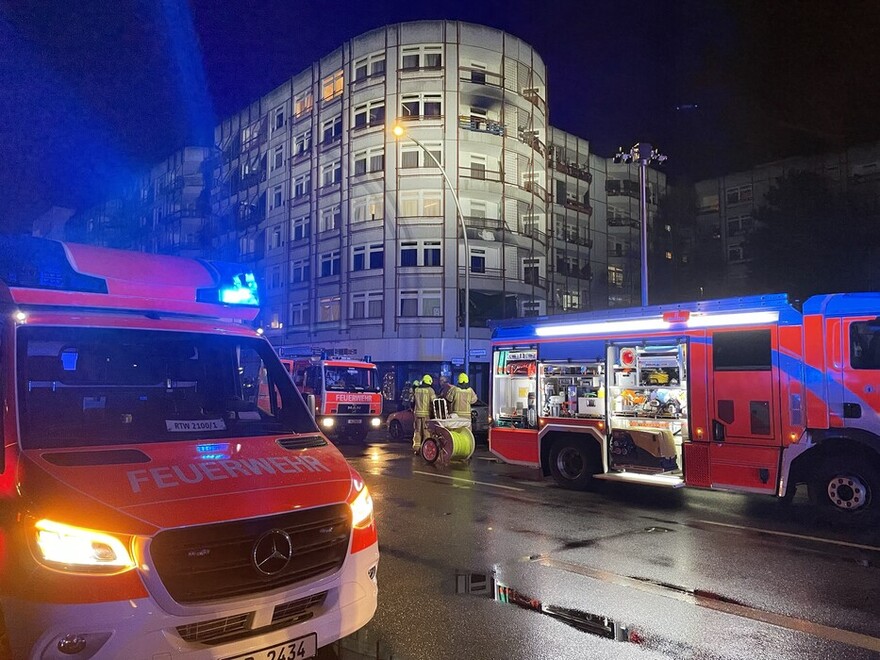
{"points": [[746, 394], [348, 401], [152, 504]]}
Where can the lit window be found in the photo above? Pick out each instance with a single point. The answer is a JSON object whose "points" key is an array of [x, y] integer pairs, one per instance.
{"points": [[331, 86], [329, 309], [303, 103], [368, 207]]}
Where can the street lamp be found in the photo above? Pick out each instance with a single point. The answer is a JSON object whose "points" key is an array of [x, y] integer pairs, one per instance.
{"points": [[399, 131], [643, 153]]}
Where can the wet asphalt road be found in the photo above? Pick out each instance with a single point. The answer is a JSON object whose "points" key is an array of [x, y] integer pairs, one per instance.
{"points": [[672, 574]]}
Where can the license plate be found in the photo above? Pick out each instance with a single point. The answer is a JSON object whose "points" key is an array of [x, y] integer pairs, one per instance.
{"points": [[354, 421], [297, 649]]}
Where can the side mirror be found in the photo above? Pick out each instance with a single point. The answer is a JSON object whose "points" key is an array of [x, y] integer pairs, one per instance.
{"points": [[310, 404]]}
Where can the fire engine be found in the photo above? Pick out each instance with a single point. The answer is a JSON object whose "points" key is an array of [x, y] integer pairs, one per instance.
{"points": [[152, 504], [747, 394], [346, 392]]}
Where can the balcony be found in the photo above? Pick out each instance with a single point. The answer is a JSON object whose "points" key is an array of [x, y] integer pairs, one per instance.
{"points": [[533, 96], [572, 169], [481, 174], [480, 125], [531, 138], [569, 236], [623, 221], [536, 189], [480, 76], [577, 205]]}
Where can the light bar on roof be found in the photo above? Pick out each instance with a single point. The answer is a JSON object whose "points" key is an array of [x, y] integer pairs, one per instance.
{"points": [[657, 323]]}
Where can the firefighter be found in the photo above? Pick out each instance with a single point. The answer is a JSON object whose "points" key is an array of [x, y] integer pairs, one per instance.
{"points": [[422, 399], [462, 397]]}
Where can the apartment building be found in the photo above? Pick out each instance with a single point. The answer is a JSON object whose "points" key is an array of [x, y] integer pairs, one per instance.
{"points": [[356, 232]]}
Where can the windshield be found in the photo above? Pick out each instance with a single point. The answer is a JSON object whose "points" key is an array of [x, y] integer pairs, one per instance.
{"points": [[351, 379], [96, 386]]}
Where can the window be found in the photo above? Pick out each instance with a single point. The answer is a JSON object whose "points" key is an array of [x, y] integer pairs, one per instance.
{"points": [[301, 228], [739, 194], [478, 166], [615, 276], [533, 270], [276, 199], [412, 155], [532, 307], [740, 224], [368, 257], [369, 160], [735, 253], [372, 65], [741, 350], [420, 303], [278, 158], [302, 186], [276, 239], [366, 305], [331, 173], [302, 144], [330, 263], [331, 218], [864, 346], [368, 207], [420, 253], [303, 103], [299, 313], [421, 203], [278, 119], [478, 73], [331, 130], [478, 260], [329, 309], [533, 224], [275, 278], [300, 271], [421, 57], [371, 113], [331, 86], [570, 300], [421, 106]]}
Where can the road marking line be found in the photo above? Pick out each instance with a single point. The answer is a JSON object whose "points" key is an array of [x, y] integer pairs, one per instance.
{"points": [[780, 620], [819, 539], [470, 481]]}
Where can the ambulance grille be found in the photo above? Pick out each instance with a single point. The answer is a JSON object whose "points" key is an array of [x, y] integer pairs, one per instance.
{"points": [[210, 562], [231, 628]]}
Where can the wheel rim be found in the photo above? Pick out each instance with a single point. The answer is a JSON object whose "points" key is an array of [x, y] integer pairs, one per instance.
{"points": [[570, 463], [847, 492], [429, 450], [394, 431]]}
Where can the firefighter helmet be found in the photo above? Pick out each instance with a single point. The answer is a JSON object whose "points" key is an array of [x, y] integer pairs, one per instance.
{"points": [[427, 380], [462, 379]]}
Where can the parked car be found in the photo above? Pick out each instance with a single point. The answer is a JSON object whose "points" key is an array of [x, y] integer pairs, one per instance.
{"points": [[400, 423]]}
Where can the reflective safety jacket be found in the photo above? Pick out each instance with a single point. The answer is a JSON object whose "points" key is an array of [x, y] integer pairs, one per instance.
{"points": [[461, 398], [423, 397]]}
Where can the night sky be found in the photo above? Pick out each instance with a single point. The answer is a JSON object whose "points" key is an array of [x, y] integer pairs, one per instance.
{"points": [[93, 91]]}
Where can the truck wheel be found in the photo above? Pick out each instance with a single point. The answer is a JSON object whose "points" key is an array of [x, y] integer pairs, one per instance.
{"points": [[395, 430], [846, 489], [357, 434], [571, 464]]}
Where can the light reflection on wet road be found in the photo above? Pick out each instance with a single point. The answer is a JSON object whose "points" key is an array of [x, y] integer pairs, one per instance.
{"points": [[623, 572]]}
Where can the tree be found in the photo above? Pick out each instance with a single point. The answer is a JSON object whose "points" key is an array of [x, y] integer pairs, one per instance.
{"points": [[809, 240], [695, 269]]}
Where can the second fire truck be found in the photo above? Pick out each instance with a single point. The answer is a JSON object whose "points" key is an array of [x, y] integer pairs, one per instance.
{"points": [[747, 394]]}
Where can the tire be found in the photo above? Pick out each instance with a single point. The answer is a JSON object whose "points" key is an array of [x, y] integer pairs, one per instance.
{"points": [[430, 451], [846, 489], [395, 430], [357, 433], [571, 464]]}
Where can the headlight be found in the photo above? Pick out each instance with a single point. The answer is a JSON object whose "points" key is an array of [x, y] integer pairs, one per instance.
{"points": [[375, 422], [328, 422], [362, 507], [70, 548]]}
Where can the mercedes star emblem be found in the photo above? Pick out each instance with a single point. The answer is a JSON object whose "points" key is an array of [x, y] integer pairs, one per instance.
{"points": [[272, 552]]}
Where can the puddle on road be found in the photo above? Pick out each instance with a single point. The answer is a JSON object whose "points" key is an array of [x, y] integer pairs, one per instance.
{"points": [[486, 584]]}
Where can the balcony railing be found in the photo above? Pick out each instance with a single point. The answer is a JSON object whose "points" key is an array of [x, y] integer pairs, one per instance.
{"points": [[482, 174], [480, 76], [480, 125], [572, 169], [529, 138], [536, 189], [574, 237], [623, 221], [577, 206], [533, 96]]}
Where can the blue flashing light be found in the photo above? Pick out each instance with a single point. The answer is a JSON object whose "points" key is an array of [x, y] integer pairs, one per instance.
{"points": [[235, 286], [217, 451]]}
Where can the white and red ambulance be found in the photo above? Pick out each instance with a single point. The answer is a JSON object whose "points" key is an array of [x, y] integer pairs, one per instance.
{"points": [[153, 505]]}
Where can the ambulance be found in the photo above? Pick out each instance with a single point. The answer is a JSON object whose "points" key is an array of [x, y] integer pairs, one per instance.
{"points": [[751, 395], [152, 504]]}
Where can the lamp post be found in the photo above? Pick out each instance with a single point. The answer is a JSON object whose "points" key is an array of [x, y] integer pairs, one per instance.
{"points": [[643, 153], [400, 131]]}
